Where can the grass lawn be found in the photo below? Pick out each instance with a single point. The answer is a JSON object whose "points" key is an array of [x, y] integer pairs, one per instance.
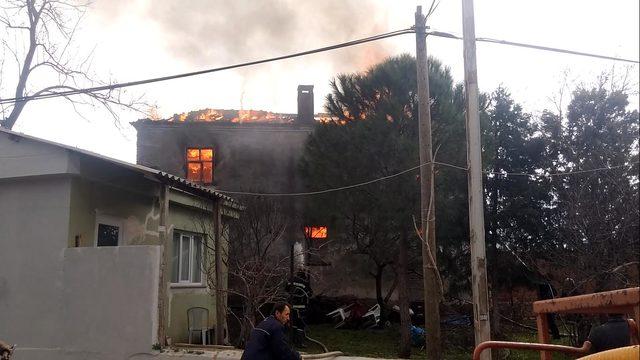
{"points": [[458, 342]]}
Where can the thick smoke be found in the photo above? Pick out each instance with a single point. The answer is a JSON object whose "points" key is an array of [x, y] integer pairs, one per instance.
{"points": [[210, 33], [207, 32]]}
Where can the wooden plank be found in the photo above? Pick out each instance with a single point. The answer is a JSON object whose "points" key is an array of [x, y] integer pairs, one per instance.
{"points": [[543, 334], [604, 310], [599, 302]]}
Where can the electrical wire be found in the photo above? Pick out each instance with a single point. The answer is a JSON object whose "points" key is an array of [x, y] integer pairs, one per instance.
{"points": [[531, 46], [111, 87], [207, 71], [565, 173], [325, 191]]}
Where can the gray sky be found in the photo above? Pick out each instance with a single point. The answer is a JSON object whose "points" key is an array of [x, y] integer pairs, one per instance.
{"points": [[136, 39]]}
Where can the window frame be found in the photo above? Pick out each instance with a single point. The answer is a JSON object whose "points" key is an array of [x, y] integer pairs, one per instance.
{"points": [[201, 163], [110, 221], [192, 254]]}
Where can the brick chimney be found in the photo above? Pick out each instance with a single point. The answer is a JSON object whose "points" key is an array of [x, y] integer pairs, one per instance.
{"points": [[305, 104]]}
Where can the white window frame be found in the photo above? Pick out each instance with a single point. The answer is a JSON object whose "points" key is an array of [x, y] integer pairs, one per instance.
{"points": [[111, 221], [192, 253]]}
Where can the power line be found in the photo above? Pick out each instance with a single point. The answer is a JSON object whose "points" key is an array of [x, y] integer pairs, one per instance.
{"points": [[531, 46], [303, 53], [323, 191], [339, 188], [562, 173], [207, 71], [319, 192]]}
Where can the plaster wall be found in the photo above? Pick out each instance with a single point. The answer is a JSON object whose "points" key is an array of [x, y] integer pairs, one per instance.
{"points": [[137, 213], [109, 306], [111, 299], [23, 157], [34, 218]]}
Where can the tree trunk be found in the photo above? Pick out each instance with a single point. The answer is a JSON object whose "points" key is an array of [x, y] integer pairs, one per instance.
{"points": [[379, 299], [403, 299], [378, 276], [248, 322], [26, 67]]}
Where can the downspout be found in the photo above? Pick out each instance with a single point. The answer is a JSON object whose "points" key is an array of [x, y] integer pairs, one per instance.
{"points": [[220, 311], [163, 237]]}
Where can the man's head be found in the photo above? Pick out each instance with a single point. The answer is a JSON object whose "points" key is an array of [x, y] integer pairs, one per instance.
{"points": [[281, 312]]}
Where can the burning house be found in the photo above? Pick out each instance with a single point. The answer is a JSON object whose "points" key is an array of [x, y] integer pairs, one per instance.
{"points": [[236, 150], [256, 152]]}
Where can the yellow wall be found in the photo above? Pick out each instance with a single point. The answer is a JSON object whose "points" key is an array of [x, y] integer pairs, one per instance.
{"points": [[140, 215]]}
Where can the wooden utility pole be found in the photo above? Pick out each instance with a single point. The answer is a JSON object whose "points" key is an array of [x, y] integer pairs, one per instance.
{"points": [[427, 209], [476, 197]]}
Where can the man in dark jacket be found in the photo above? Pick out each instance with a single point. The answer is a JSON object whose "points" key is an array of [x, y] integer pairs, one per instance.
{"points": [[268, 341], [612, 334]]}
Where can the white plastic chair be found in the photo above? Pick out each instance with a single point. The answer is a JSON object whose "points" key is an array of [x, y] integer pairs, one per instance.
{"points": [[340, 315], [198, 321], [372, 317]]}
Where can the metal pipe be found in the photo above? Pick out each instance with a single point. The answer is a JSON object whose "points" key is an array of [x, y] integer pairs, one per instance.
{"points": [[530, 346]]}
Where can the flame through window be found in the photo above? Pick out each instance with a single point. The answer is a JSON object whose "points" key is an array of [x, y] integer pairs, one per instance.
{"points": [[200, 165], [315, 232]]}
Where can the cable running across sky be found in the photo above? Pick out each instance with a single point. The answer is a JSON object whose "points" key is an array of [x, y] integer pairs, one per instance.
{"points": [[319, 192], [303, 53], [207, 71]]}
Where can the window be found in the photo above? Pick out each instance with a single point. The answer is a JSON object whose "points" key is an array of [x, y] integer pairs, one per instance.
{"points": [[108, 230], [200, 165], [315, 232], [187, 258]]}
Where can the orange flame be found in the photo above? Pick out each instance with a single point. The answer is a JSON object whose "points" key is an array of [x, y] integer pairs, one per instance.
{"points": [[241, 116], [316, 232]]}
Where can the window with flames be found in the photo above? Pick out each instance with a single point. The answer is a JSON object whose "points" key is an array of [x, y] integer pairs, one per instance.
{"points": [[315, 232], [200, 165]]}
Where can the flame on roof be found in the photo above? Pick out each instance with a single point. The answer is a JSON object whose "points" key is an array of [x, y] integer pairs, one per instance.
{"points": [[239, 116]]}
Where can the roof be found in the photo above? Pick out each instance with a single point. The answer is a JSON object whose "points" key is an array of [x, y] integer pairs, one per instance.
{"points": [[223, 125], [161, 176]]}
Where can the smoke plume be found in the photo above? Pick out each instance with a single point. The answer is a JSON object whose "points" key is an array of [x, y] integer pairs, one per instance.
{"points": [[209, 33]]}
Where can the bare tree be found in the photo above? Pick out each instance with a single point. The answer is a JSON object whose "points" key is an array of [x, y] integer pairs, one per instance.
{"points": [[256, 261], [601, 217], [40, 36]]}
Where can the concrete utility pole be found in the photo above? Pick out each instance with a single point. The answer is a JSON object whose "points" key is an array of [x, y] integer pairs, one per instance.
{"points": [[476, 197], [427, 198]]}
